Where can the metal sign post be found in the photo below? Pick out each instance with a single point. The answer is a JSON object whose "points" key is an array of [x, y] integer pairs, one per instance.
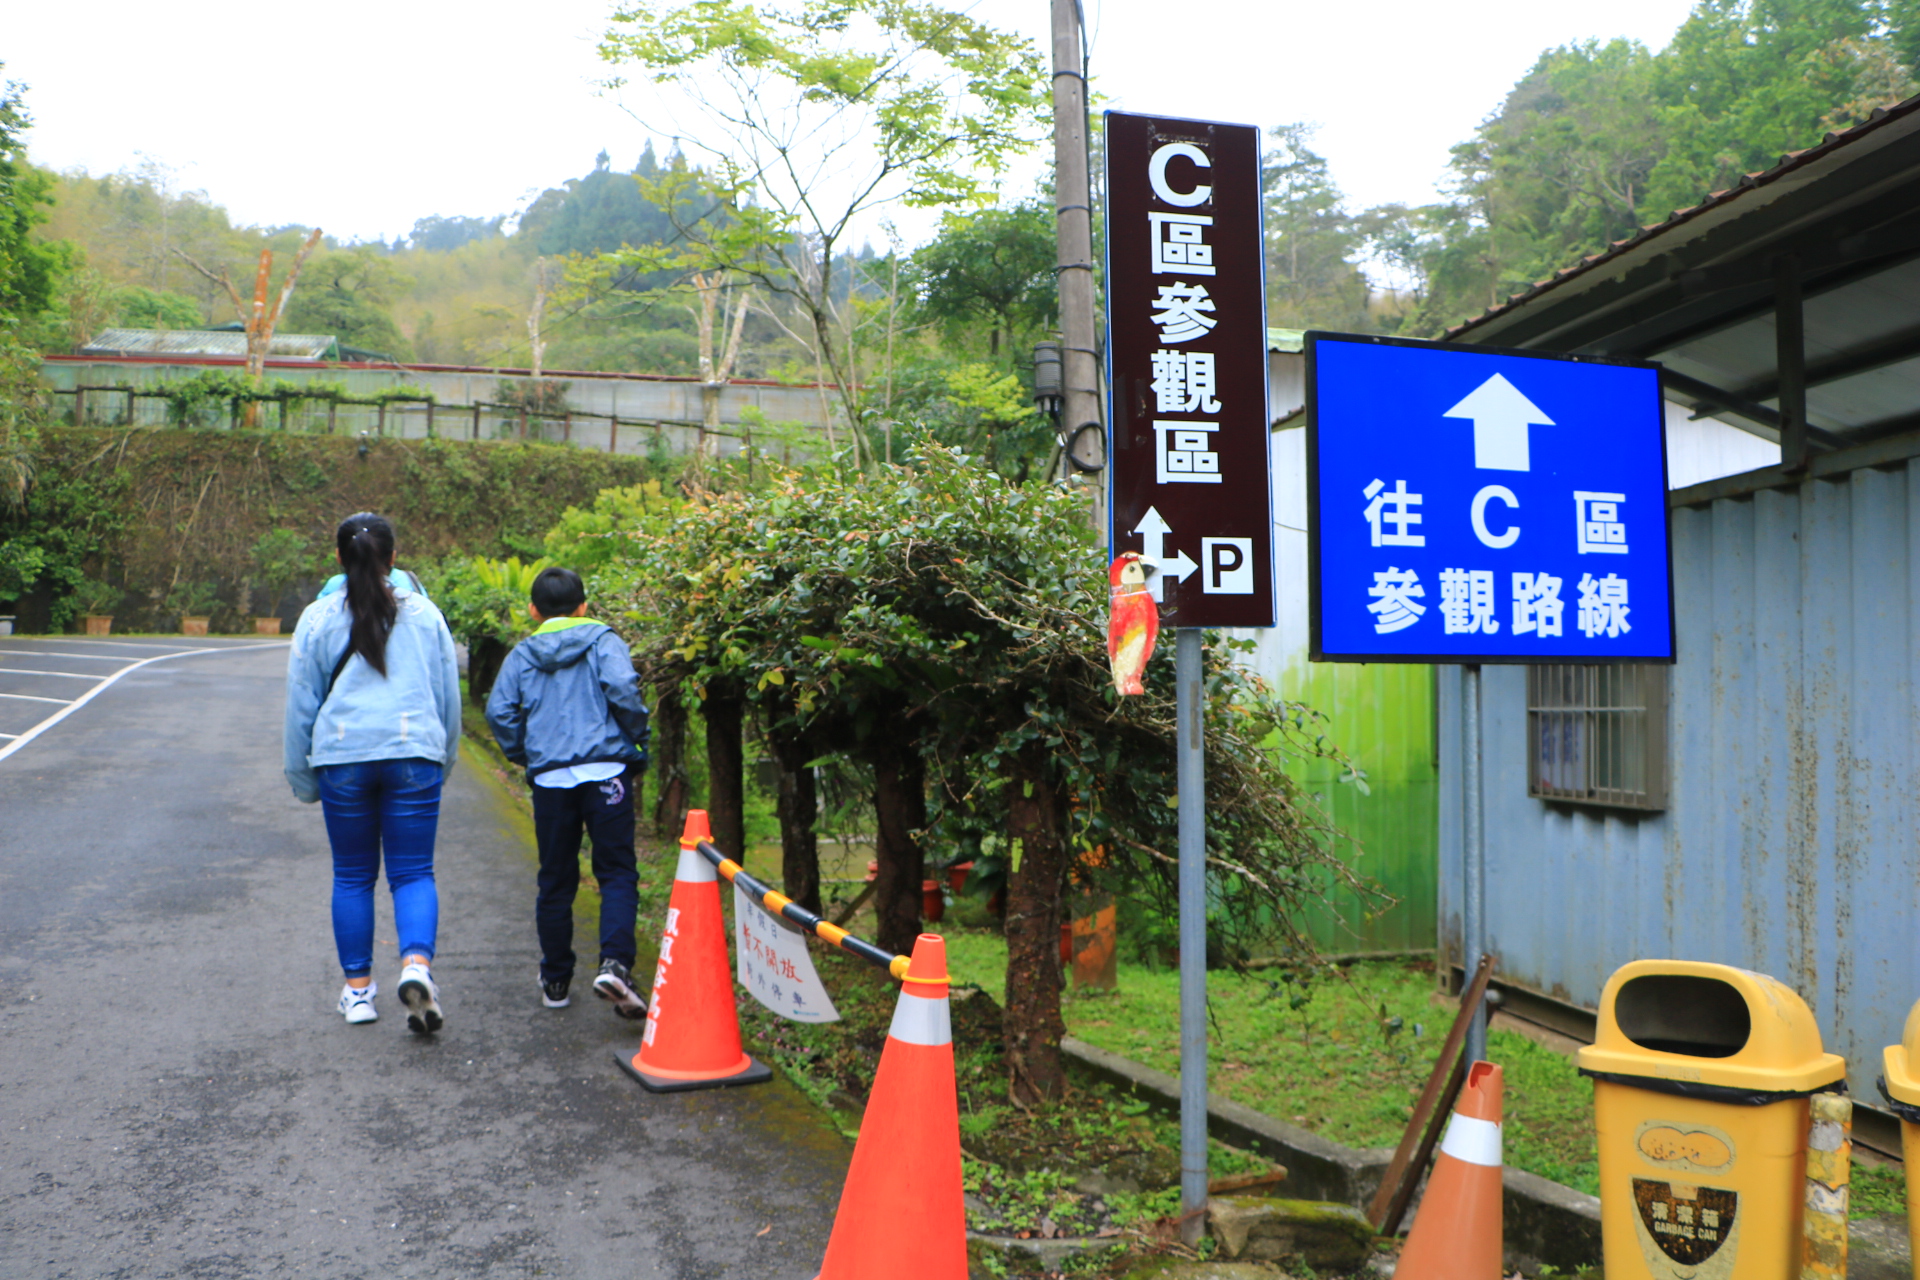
{"points": [[1468, 505], [1190, 758], [1189, 477], [1473, 922]]}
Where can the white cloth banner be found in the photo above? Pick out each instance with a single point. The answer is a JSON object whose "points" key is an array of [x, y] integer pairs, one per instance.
{"points": [[774, 965]]}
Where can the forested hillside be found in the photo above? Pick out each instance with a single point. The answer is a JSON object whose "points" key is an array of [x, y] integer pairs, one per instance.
{"points": [[1595, 140]]}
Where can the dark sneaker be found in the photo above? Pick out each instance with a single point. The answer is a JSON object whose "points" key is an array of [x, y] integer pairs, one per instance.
{"points": [[421, 995], [554, 994], [615, 984]]}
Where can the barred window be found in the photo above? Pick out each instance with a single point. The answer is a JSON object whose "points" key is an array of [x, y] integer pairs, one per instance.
{"points": [[1598, 734]]}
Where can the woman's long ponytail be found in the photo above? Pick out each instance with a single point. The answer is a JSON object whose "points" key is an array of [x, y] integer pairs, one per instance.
{"points": [[365, 544]]}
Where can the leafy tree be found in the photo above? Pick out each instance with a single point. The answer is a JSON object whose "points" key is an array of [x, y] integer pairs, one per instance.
{"points": [[1312, 243], [978, 408], [1599, 139], [485, 604], [29, 267], [600, 212], [443, 235], [1746, 81], [27, 276], [946, 631], [815, 115], [349, 293], [991, 266], [143, 308]]}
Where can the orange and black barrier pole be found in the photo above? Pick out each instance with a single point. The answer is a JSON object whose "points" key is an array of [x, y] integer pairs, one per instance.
{"points": [[780, 904]]}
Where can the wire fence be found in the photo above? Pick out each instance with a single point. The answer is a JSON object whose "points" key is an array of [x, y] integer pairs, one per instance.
{"points": [[127, 406]]}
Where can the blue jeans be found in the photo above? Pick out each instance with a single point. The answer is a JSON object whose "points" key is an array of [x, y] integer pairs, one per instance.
{"points": [[376, 805]]}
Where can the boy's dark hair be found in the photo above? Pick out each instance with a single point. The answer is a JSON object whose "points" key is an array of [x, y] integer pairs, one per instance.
{"points": [[558, 592]]}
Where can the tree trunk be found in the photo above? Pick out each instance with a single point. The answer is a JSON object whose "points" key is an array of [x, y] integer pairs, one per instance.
{"points": [[1032, 1025], [483, 666], [900, 810], [798, 805], [726, 791], [667, 756]]}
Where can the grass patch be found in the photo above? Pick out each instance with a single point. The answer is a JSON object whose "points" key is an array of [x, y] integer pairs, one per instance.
{"points": [[1349, 1062], [1347, 1058], [1878, 1191]]}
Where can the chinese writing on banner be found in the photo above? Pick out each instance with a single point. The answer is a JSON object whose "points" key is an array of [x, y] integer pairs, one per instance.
{"points": [[774, 965]]}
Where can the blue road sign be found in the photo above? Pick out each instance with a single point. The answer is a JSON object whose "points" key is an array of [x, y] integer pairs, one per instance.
{"points": [[1468, 505]]}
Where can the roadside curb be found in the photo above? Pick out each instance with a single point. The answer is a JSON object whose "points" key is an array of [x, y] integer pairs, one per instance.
{"points": [[1545, 1222]]}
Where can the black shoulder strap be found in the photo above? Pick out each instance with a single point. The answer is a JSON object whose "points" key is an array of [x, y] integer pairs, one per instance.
{"points": [[338, 667]]}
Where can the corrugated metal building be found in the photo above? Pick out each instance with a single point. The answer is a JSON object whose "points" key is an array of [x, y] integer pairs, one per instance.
{"points": [[1772, 825], [1383, 715]]}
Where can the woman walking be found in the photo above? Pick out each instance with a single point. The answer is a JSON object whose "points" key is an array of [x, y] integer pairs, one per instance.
{"points": [[373, 725]]}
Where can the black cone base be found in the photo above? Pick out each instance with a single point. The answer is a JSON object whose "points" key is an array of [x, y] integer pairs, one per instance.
{"points": [[755, 1072]]}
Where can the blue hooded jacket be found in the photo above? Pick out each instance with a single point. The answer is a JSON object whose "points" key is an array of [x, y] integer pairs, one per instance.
{"points": [[412, 712], [568, 695]]}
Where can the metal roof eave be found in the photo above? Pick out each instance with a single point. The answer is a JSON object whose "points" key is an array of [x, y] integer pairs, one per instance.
{"points": [[1668, 270]]}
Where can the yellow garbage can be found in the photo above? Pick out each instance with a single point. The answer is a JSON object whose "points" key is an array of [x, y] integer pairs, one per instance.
{"points": [[1900, 1086], [1701, 1074]]}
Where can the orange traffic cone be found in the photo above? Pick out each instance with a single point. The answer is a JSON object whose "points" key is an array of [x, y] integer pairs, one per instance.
{"points": [[692, 1040], [1457, 1235], [903, 1193]]}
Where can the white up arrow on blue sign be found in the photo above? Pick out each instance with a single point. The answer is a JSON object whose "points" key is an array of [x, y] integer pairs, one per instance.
{"points": [[1527, 547], [1501, 416]]}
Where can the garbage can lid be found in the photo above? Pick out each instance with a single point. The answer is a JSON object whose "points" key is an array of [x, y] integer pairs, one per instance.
{"points": [[1902, 1062], [1709, 1024]]}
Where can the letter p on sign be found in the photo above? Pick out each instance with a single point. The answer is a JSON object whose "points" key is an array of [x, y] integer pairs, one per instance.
{"points": [[1228, 565]]}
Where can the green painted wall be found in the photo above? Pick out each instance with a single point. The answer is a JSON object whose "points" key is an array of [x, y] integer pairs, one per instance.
{"points": [[1382, 716]]}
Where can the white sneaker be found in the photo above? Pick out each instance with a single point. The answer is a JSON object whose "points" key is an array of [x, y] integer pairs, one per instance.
{"points": [[422, 998], [356, 1003]]}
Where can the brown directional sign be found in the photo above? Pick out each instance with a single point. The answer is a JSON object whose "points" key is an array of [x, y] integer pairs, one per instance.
{"points": [[1187, 366]]}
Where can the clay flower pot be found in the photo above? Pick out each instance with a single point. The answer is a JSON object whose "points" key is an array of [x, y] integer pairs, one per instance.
{"points": [[98, 624], [193, 626], [266, 626], [933, 906], [957, 875]]}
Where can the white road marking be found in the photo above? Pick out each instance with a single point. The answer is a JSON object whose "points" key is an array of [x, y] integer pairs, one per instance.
{"points": [[64, 675], [23, 739], [28, 697], [9, 735], [106, 644], [84, 657]]}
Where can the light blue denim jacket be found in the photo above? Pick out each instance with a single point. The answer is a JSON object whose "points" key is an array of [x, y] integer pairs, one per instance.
{"points": [[411, 713]]}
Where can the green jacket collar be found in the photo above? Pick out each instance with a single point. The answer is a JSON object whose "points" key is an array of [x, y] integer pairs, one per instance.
{"points": [[561, 624]]}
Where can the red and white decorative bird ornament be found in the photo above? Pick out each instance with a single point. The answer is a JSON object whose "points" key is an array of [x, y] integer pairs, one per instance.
{"points": [[1133, 621]]}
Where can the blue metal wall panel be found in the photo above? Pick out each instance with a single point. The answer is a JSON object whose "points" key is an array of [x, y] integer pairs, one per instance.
{"points": [[1788, 845]]}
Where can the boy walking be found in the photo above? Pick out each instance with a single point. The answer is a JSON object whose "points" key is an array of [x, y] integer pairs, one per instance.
{"points": [[567, 708]]}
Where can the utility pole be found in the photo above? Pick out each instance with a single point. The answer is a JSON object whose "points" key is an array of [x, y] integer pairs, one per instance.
{"points": [[1073, 212]]}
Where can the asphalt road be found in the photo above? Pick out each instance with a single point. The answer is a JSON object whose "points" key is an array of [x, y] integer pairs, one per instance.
{"points": [[178, 1096]]}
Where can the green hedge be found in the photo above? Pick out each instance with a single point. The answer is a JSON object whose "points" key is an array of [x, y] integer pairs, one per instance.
{"points": [[160, 512]]}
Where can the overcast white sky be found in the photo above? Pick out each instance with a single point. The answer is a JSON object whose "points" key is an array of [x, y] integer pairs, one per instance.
{"points": [[365, 118]]}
